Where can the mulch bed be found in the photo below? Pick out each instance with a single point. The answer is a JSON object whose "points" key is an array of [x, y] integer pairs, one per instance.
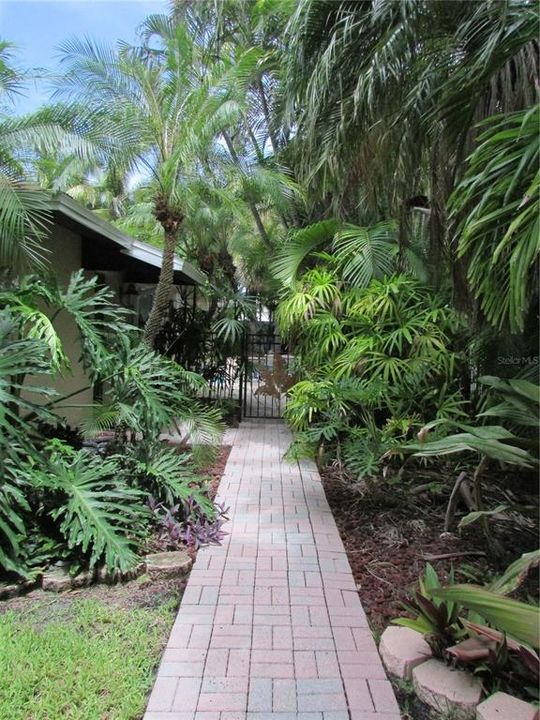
{"points": [[216, 470], [387, 532]]}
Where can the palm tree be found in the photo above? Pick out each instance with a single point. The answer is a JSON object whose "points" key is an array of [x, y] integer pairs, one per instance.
{"points": [[156, 95], [387, 96], [497, 205], [23, 211], [245, 40], [100, 189], [180, 108], [55, 131]]}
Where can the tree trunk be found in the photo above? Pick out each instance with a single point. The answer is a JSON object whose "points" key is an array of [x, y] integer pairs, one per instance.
{"points": [[267, 116], [170, 221], [251, 204], [275, 146]]}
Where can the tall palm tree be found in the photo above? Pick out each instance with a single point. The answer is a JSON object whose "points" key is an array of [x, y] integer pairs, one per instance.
{"points": [[246, 41], [387, 95], [181, 109], [156, 94]]}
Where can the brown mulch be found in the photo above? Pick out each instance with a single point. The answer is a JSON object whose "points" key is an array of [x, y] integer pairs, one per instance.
{"points": [[387, 532], [216, 470]]}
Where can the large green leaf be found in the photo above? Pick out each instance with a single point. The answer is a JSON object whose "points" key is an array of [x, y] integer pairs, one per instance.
{"points": [[300, 246], [517, 619], [99, 514], [366, 253], [487, 440], [472, 517], [515, 573]]}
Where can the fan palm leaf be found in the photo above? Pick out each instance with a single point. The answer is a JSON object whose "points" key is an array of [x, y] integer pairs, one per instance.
{"points": [[366, 253]]}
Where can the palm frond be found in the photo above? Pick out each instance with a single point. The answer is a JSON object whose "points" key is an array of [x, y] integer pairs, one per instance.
{"points": [[499, 203], [296, 250], [366, 253]]}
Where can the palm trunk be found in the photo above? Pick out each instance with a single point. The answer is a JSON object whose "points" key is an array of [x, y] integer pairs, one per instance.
{"points": [[267, 116], [251, 204], [162, 295], [170, 221], [275, 146]]}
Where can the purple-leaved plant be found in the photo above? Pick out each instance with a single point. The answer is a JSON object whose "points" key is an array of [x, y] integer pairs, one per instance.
{"points": [[188, 524]]}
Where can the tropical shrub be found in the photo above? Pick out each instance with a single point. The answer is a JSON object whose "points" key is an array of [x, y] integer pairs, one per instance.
{"points": [[210, 341], [374, 361], [516, 404], [93, 509], [57, 501], [147, 393]]}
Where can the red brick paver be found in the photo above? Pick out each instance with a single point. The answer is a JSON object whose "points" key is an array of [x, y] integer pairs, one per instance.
{"points": [[271, 626]]}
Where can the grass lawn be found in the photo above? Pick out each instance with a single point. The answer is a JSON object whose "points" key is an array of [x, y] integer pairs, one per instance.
{"points": [[80, 659]]}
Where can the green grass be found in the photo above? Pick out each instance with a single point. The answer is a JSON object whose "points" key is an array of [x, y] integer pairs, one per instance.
{"points": [[87, 661]]}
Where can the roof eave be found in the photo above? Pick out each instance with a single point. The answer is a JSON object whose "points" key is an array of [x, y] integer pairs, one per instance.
{"points": [[137, 249]]}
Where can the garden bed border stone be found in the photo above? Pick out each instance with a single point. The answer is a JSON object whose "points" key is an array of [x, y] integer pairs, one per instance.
{"points": [[57, 578], [501, 706], [402, 649], [406, 655]]}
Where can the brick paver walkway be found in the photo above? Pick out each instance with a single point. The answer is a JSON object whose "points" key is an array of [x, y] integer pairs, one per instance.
{"points": [[271, 626]]}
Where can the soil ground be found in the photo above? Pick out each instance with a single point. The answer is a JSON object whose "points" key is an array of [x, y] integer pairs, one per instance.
{"points": [[216, 470], [389, 534]]}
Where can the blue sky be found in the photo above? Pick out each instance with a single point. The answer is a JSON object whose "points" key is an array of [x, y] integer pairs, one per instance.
{"points": [[37, 27]]}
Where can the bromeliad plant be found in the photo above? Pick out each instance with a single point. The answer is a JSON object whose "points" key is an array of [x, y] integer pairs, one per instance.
{"points": [[480, 627], [437, 619]]}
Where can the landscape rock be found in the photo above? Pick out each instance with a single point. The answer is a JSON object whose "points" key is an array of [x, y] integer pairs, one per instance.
{"points": [[402, 649], [103, 575], [168, 564], [83, 579], [133, 574], [447, 690], [9, 590], [502, 706], [56, 579]]}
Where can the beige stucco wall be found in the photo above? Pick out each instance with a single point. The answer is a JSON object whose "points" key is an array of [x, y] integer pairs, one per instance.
{"points": [[65, 258]]}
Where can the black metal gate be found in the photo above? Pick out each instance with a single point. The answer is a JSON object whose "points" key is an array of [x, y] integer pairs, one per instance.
{"points": [[249, 377], [265, 376]]}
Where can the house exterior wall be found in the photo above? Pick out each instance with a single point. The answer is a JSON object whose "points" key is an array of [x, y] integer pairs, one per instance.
{"points": [[65, 258]]}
